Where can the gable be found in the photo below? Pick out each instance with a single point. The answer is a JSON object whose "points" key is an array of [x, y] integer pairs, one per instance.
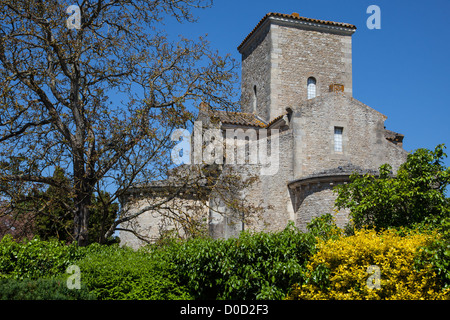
{"points": [[339, 104]]}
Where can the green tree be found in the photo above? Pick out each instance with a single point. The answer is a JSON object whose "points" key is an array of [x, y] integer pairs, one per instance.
{"points": [[49, 214], [416, 194], [103, 214], [52, 209]]}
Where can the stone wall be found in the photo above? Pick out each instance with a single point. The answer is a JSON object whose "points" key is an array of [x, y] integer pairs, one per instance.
{"points": [[256, 71], [271, 191], [308, 53], [151, 225], [315, 200], [306, 148], [280, 57], [364, 143], [268, 193]]}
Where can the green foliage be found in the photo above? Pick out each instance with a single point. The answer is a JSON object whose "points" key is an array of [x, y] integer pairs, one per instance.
{"points": [[413, 198], [114, 273], [438, 254], [324, 227], [49, 214], [102, 214], [339, 268], [56, 220], [107, 272], [253, 266], [416, 194], [41, 289], [35, 258]]}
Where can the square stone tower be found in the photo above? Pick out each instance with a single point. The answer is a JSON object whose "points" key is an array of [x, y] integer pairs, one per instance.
{"points": [[287, 59]]}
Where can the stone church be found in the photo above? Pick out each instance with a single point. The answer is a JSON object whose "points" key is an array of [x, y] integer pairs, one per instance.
{"points": [[296, 78]]}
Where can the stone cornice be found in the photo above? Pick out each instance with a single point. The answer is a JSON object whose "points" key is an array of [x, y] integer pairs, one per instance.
{"points": [[296, 22], [315, 26]]}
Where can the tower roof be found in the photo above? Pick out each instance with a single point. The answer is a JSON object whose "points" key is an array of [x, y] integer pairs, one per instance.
{"points": [[296, 17]]}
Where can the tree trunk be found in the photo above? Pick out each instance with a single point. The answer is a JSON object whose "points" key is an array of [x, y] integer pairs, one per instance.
{"points": [[81, 221], [83, 198]]}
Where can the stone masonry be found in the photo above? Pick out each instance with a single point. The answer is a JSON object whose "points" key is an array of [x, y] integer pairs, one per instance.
{"points": [[297, 79]]}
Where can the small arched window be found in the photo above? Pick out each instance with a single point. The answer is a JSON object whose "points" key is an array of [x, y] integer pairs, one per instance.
{"points": [[311, 87], [255, 98]]}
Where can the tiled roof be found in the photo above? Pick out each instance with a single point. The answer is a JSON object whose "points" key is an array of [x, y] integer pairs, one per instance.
{"points": [[296, 16], [239, 118], [276, 119]]}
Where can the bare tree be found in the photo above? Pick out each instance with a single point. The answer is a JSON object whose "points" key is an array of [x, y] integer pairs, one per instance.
{"points": [[101, 100]]}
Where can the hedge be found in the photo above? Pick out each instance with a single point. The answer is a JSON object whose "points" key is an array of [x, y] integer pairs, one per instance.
{"points": [[41, 289], [341, 269], [323, 263], [35, 259], [253, 266], [114, 273]]}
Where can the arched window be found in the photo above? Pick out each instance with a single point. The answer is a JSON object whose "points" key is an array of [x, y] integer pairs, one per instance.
{"points": [[311, 87], [255, 99]]}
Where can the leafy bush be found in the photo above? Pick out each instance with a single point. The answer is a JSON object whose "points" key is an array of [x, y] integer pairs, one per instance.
{"points": [[324, 227], [253, 266], [123, 274], [339, 269], [414, 195], [323, 263], [41, 289], [35, 258], [437, 253]]}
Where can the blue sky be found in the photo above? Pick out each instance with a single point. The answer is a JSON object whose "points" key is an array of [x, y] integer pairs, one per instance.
{"points": [[401, 70]]}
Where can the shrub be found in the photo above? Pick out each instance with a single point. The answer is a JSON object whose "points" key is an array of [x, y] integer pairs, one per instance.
{"points": [[339, 269], [114, 273], [35, 258], [416, 194], [253, 266], [324, 227], [437, 253], [41, 289]]}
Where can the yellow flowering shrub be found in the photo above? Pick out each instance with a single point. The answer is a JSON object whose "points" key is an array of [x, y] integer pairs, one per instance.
{"points": [[339, 269]]}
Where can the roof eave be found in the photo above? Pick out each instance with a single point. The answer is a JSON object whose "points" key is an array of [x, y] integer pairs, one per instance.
{"points": [[306, 23]]}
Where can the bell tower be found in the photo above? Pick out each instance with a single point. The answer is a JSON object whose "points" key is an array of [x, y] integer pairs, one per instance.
{"points": [[287, 59]]}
